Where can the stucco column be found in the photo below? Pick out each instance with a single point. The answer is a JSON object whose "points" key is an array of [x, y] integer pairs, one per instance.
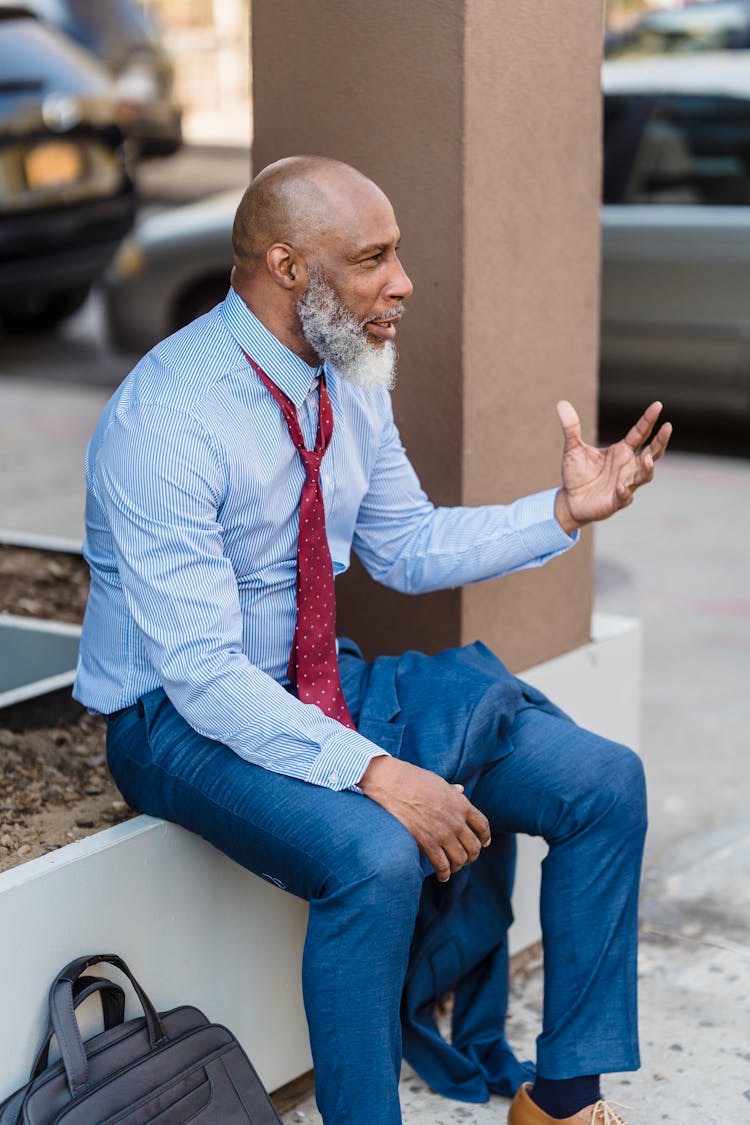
{"points": [[481, 120]]}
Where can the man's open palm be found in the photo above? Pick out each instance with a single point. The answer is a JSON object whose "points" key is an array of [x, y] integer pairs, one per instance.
{"points": [[598, 482]]}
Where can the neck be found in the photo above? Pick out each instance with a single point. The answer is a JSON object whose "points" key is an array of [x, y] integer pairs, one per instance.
{"points": [[281, 321]]}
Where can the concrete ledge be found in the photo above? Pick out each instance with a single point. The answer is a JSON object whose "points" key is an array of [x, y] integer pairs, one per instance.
{"points": [[36, 657], [197, 928], [194, 927], [10, 538]]}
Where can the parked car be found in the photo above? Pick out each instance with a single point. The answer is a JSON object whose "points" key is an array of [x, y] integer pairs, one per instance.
{"points": [[714, 25], [127, 40], [66, 197], [675, 320], [173, 267]]}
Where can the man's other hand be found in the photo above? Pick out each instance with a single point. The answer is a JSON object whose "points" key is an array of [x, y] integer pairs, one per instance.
{"points": [[447, 827], [598, 482]]}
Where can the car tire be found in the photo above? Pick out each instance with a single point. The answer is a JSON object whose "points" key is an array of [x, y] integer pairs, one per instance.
{"points": [[44, 313], [199, 299]]}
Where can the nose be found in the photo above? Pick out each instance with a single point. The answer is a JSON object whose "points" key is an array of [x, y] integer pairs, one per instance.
{"points": [[398, 286]]}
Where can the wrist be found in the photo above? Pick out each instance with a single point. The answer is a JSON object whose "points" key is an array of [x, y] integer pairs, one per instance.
{"points": [[378, 768], [563, 514]]}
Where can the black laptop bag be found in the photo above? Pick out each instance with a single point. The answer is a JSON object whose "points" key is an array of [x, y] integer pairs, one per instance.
{"points": [[167, 1068]]}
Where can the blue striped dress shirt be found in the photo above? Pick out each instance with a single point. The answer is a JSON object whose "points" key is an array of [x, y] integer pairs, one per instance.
{"points": [[192, 518]]}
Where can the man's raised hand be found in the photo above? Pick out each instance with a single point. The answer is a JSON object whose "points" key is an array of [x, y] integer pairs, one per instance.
{"points": [[596, 483]]}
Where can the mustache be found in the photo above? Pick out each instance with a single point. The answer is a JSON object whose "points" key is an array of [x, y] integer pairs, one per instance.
{"points": [[389, 314]]}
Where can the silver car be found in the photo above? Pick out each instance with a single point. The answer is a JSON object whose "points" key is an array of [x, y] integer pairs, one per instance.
{"points": [[676, 232], [173, 267]]}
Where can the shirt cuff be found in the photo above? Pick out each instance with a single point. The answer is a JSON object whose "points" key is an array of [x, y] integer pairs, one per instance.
{"points": [[343, 760], [540, 531]]}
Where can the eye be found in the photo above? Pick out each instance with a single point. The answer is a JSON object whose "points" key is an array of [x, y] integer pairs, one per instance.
{"points": [[379, 256]]}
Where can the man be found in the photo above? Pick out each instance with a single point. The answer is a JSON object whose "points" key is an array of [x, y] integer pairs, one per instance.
{"points": [[228, 480]]}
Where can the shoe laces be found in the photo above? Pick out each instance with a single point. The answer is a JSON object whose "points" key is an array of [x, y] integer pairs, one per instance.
{"points": [[604, 1114]]}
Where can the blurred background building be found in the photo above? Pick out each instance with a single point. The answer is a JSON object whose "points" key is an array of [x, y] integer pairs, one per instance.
{"points": [[209, 41], [620, 13]]}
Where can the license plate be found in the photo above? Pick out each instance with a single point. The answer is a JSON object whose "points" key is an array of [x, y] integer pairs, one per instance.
{"points": [[54, 164]]}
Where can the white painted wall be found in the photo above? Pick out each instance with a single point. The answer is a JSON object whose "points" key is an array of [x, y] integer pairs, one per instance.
{"points": [[196, 928], [193, 926]]}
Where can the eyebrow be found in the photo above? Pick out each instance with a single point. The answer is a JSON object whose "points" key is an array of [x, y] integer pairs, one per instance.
{"points": [[374, 248]]}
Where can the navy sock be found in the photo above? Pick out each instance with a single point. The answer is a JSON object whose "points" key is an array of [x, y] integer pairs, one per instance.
{"points": [[563, 1097]]}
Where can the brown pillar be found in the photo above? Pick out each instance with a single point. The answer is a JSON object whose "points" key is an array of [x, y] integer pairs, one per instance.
{"points": [[481, 120]]}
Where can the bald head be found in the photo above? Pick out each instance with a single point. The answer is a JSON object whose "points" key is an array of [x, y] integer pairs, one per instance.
{"points": [[299, 201], [315, 244]]}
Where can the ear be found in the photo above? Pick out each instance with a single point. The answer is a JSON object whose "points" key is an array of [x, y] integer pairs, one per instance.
{"points": [[286, 266]]}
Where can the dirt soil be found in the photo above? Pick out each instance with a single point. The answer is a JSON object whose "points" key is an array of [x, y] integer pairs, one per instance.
{"points": [[43, 584], [54, 782]]}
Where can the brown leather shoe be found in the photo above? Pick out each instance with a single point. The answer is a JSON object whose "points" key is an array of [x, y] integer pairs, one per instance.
{"points": [[524, 1111]]}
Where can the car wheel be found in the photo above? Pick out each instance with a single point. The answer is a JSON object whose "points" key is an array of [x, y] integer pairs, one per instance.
{"points": [[198, 300], [44, 312]]}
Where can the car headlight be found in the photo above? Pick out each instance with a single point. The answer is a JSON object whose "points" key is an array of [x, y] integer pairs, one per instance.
{"points": [[138, 85], [129, 261]]}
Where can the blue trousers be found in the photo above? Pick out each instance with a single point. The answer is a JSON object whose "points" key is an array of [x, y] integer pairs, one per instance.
{"points": [[363, 875]]}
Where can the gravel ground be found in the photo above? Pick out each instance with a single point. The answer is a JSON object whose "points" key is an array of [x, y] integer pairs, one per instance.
{"points": [[43, 584], [54, 782]]}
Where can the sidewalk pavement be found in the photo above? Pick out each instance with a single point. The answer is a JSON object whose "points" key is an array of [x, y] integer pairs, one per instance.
{"points": [[694, 966], [678, 560]]}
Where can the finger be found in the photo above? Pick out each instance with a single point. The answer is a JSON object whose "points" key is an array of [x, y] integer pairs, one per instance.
{"points": [[624, 495], [643, 473], [457, 855], [571, 425], [471, 844], [457, 786], [479, 825], [659, 444], [440, 863], [647, 459], [639, 433]]}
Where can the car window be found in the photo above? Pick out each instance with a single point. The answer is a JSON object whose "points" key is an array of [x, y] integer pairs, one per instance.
{"points": [[690, 149], [624, 120]]}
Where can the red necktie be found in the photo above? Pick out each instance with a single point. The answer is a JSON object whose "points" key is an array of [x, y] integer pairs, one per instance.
{"points": [[313, 665]]}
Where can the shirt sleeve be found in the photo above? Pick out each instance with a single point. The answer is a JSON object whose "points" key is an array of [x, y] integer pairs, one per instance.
{"points": [[159, 478], [405, 542]]}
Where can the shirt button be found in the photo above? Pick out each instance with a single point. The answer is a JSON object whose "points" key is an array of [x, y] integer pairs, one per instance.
{"points": [[333, 778], [326, 478]]}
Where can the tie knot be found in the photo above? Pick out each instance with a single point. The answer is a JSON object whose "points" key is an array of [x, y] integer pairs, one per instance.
{"points": [[311, 459]]}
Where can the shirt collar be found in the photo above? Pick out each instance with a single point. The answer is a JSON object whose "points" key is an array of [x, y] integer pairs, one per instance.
{"points": [[290, 373]]}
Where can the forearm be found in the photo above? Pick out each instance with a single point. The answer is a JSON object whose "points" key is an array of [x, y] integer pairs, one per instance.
{"points": [[455, 546], [230, 700]]}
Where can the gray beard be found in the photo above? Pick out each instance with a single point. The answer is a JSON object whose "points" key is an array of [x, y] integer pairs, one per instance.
{"points": [[340, 339]]}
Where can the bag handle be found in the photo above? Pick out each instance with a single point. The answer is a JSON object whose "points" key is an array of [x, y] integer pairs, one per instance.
{"points": [[65, 1025], [113, 1013]]}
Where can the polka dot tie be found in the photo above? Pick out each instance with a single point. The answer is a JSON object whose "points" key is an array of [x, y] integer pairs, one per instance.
{"points": [[313, 665]]}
